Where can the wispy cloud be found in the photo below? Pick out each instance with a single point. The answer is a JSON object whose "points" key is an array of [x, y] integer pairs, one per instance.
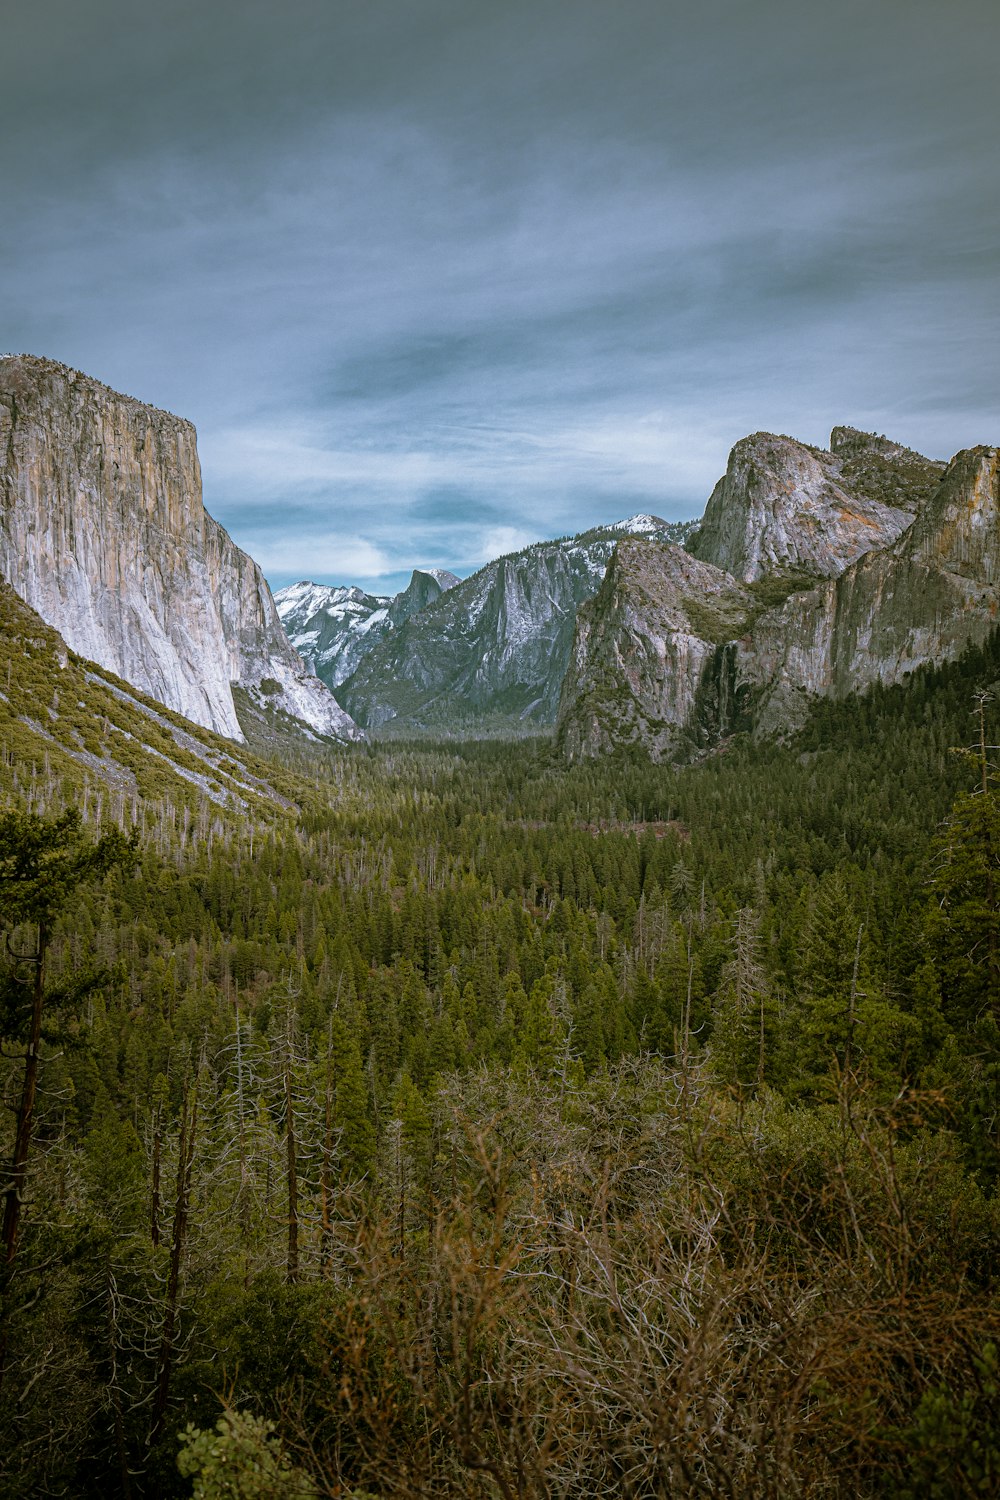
{"points": [[429, 278], [495, 541], [318, 555]]}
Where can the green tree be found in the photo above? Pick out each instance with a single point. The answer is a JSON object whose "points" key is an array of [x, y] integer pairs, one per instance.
{"points": [[241, 1460], [42, 865], [962, 933]]}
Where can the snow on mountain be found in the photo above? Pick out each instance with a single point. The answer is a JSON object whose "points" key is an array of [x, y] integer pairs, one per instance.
{"points": [[491, 651], [334, 628], [442, 576]]}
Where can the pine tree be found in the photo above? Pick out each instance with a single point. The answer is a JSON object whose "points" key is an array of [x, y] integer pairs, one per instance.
{"points": [[42, 865]]}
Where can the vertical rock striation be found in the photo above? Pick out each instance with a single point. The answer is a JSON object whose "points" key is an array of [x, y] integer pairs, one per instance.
{"points": [[490, 654], [923, 599], [103, 532], [642, 649], [809, 602], [261, 658]]}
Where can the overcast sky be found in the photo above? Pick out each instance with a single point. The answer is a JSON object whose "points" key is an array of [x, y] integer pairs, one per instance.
{"points": [[434, 279]]}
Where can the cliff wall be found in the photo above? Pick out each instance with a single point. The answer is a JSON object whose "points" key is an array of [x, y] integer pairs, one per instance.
{"points": [[103, 532]]}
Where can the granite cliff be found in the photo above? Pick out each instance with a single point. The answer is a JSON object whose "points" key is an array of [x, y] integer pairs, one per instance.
{"points": [[333, 628], [783, 507], [489, 654], [643, 649], [103, 533], [820, 574], [923, 598]]}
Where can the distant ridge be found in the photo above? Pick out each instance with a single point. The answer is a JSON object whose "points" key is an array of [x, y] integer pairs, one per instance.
{"points": [[488, 655]]}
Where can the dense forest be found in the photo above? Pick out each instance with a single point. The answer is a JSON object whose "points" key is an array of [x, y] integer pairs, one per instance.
{"points": [[461, 1123]]}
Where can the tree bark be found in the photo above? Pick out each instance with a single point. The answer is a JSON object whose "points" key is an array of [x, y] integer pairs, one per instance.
{"points": [[26, 1112], [166, 1357]]}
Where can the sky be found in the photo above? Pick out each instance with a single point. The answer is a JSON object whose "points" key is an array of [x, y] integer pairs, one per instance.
{"points": [[438, 278]]}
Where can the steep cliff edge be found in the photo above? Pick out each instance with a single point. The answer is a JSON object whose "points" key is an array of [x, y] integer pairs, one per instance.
{"points": [[490, 654], [785, 507], [103, 533], [334, 628], [924, 598], [643, 647], [671, 668], [262, 660]]}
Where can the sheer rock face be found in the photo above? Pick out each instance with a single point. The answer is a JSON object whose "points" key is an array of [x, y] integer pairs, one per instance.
{"points": [[654, 664], [923, 599], [490, 653], [643, 647], [784, 507], [103, 533], [261, 658], [334, 628]]}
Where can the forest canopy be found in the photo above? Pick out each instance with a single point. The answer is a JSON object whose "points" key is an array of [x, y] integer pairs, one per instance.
{"points": [[468, 1124]]}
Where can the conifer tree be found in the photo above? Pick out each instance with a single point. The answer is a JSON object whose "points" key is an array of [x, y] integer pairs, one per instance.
{"points": [[42, 865]]}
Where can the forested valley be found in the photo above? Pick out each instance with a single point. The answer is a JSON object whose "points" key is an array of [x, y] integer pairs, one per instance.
{"points": [[475, 1125]]}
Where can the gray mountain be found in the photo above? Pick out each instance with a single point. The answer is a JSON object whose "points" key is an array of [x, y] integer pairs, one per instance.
{"points": [[677, 652], [784, 507], [333, 628], [103, 533], [491, 652]]}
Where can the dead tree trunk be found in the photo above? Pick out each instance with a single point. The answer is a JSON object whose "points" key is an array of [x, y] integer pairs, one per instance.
{"points": [[166, 1357], [291, 1153], [18, 1179]]}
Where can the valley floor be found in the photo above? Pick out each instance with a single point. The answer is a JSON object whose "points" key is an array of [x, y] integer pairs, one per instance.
{"points": [[440, 1120]]}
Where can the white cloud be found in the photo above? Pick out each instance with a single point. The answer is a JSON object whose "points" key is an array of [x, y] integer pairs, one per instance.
{"points": [[305, 555], [495, 541], [283, 460]]}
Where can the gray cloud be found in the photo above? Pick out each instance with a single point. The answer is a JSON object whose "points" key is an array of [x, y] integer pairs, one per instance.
{"points": [[432, 275]]}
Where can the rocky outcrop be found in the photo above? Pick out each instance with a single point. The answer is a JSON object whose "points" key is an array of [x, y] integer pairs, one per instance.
{"points": [[103, 532], [491, 652], [425, 585], [783, 507], [333, 628], [923, 599], [674, 668], [643, 648], [262, 660]]}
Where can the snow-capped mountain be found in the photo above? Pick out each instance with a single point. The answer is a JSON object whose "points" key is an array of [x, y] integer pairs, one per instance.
{"points": [[491, 651], [333, 628]]}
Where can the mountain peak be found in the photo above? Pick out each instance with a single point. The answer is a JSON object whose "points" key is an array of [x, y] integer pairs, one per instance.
{"points": [[786, 507], [441, 577], [29, 370], [640, 525], [849, 441], [103, 532], [334, 628]]}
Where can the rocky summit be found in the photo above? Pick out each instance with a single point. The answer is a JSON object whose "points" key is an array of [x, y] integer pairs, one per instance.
{"points": [[815, 574], [785, 507], [490, 653], [103, 532], [333, 628]]}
